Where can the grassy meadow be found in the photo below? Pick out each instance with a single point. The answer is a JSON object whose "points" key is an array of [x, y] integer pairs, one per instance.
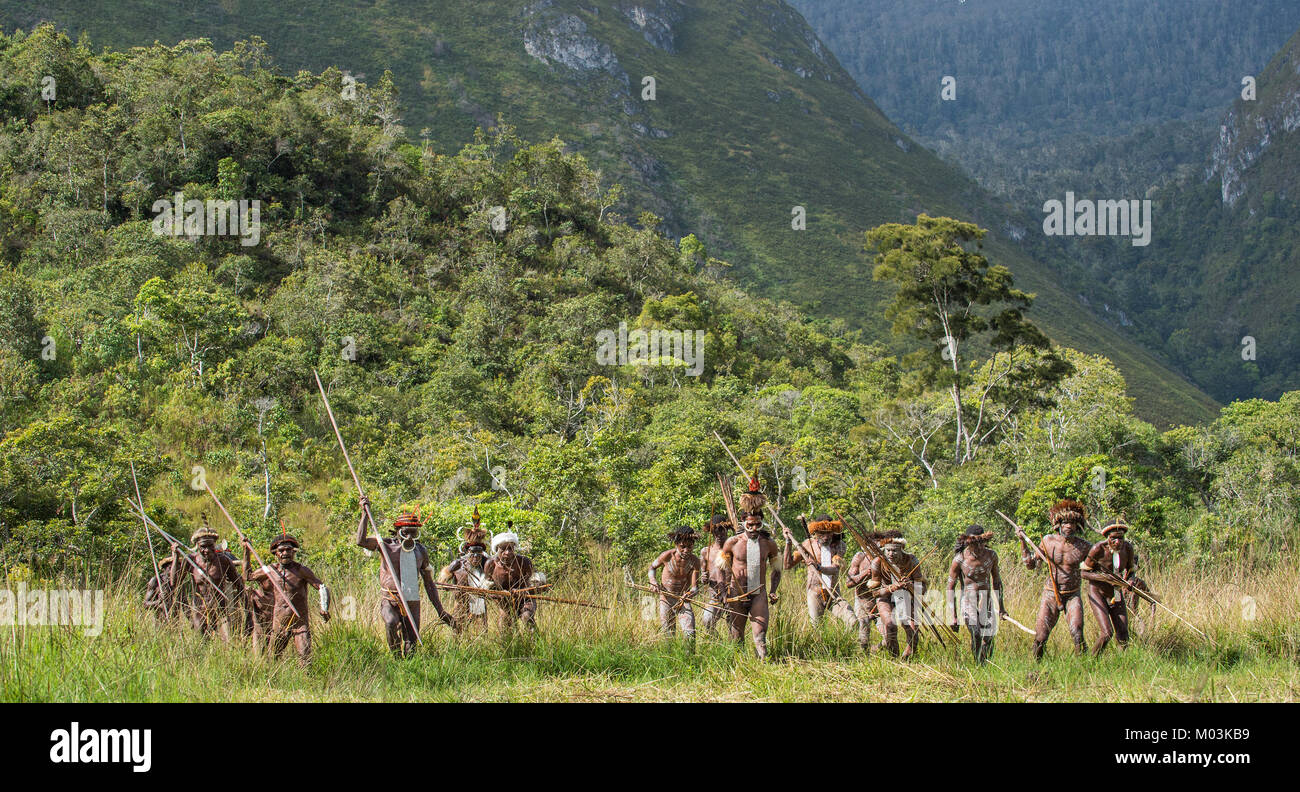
{"points": [[583, 654]]}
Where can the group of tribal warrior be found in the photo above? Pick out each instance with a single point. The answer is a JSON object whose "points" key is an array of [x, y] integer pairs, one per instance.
{"points": [[888, 582], [270, 602]]}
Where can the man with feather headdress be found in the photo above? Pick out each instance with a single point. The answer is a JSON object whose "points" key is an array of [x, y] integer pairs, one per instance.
{"points": [[744, 560]]}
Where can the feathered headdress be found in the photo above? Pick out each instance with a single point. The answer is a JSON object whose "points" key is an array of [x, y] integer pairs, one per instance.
{"points": [[752, 502], [824, 524], [284, 538], [1067, 510], [204, 531]]}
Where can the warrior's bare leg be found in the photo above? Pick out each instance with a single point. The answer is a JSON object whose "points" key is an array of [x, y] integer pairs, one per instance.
{"points": [[401, 638], [667, 619], [888, 627], [736, 621], [1119, 617], [1048, 613], [815, 606], [686, 621], [865, 609], [758, 613], [1099, 600], [1074, 621], [844, 612], [302, 643]]}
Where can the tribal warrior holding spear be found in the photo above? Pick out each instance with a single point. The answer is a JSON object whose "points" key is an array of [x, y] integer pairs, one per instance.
{"points": [[216, 583], [409, 561], [823, 553], [1109, 562], [896, 602], [290, 596], [467, 572], [1064, 552], [513, 573], [744, 560]]}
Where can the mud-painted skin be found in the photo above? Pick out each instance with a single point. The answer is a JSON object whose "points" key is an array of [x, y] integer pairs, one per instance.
{"points": [[294, 579], [896, 602], [1116, 556], [681, 575], [858, 579], [210, 612], [715, 577], [508, 570], [819, 601], [1067, 551], [754, 605], [975, 568]]}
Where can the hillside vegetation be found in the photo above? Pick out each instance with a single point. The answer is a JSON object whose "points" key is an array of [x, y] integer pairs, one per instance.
{"points": [[752, 117]]}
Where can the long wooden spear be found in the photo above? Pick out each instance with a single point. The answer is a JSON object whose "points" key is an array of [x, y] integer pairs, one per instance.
{"points": [[271, 577], [384, 560], [1117, 580], [510, 593], [1051, 568], [152, 556], [177, 543], [684, 598]]}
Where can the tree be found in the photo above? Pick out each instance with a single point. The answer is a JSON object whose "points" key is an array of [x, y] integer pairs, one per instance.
{"points": [[949, 295]]}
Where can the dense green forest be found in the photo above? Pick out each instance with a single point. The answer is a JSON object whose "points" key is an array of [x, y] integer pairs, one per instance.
{"points": [[1122, 98], [1113, 96], [460, 352], [751, 117]]}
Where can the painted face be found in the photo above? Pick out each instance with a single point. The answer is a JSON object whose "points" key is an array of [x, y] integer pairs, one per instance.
{"points": [[684, 547], [285, 552], [753, 524], [1067, 528], [507, 551], [893, 552], [475, 557], [208, 549]]}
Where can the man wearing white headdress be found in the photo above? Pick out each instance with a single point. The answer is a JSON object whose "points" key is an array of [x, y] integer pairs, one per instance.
{"points": [[507, 570]]}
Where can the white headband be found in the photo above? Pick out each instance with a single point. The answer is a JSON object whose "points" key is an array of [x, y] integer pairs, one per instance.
{"points": [[508, 537]]}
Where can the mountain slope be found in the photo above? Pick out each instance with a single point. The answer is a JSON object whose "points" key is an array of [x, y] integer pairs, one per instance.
{"points": [[1112, 96], [752, 116], [1226, 266]]}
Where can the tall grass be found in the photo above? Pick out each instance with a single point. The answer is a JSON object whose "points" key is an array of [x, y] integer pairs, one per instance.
{"points": [[582, 654]]}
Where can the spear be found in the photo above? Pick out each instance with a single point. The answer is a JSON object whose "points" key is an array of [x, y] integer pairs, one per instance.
{"points": [[177, 543], [683, 598], [1016, 623], [511, 593], [1146, 596], [279, 589], [1038, 551], [152, 556], [872, 550], [384, 560]]}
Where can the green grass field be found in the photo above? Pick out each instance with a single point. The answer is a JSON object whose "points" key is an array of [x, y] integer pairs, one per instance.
{"points": [[589, 655]]}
